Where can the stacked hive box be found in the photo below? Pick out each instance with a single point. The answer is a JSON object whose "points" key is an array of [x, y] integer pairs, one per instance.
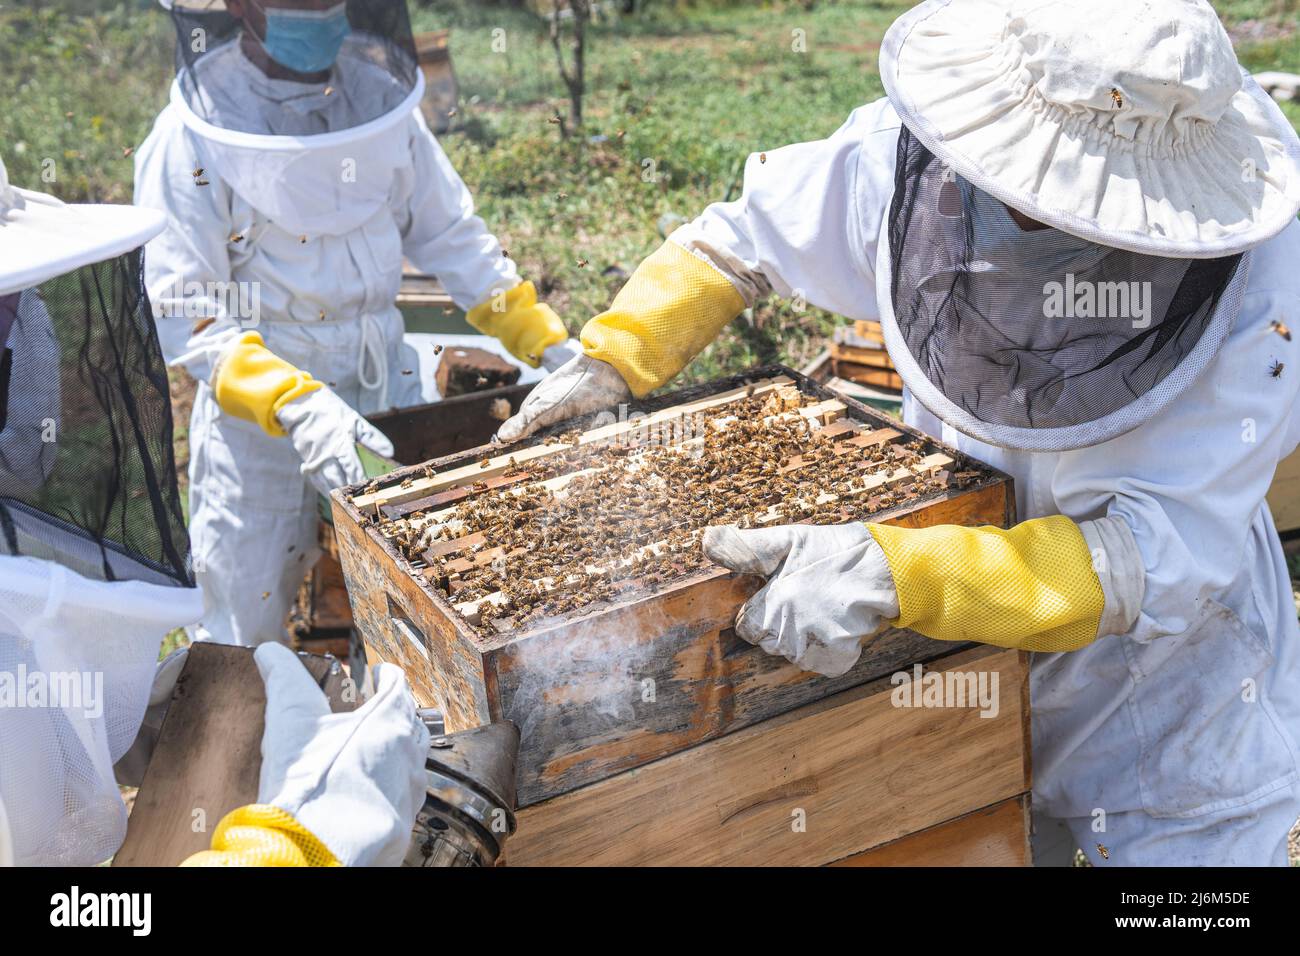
{"points": [[559, 584]]}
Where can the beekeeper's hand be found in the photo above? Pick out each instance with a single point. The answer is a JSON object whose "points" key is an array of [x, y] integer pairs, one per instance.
{"points": [[1048, 584], [335, 789], [580, 386], [325, 431], [130, 767], [526, 327], [828, 587], [250, 382]]}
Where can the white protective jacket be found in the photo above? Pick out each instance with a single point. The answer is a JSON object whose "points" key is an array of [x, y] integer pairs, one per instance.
{"points": [[323, 302], [1192, 717]]}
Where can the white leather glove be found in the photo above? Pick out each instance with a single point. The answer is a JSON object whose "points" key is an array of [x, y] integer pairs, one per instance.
{"points": [[325, 431], [561, 353], [130, 767], [356, 780], [829, 586], [578, 387]]}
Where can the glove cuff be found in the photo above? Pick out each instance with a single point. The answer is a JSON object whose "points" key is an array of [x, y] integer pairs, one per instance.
{"points": [[263, 835], [522, 324], [1032, 587], [673, 306], [252, 383]]}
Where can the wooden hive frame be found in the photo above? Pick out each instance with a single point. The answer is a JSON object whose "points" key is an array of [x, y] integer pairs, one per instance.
{"points": [[627, 682]]}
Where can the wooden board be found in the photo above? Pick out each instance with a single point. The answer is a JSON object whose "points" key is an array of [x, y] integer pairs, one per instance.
{"points": [[624, 684], [808, 787], [991, 836], [209, 753], [1284, 494]]}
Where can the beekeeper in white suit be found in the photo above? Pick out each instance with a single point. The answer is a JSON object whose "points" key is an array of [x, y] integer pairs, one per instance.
{"points": [[296, 172], [95, 571], [1082, 247]]}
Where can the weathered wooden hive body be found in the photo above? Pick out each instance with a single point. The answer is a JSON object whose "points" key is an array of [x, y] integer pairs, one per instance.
{"points": [[559, 582]]}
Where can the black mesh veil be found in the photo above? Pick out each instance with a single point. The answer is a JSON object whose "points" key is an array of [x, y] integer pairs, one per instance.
{"points": [[376, 69], [87, 470], [1010, 331]]}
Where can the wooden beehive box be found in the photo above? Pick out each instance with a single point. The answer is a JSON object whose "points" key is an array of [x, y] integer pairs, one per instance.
{"points": [[621, 683]]}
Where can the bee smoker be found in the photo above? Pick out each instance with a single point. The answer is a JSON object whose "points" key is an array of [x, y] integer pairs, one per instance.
{"points": [[469, 798]]}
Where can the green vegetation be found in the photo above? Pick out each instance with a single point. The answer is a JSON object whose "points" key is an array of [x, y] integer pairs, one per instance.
{"points": [[678, 96]]}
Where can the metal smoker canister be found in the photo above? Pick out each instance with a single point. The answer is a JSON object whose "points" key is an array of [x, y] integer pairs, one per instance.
{"points": [[469, 799]]}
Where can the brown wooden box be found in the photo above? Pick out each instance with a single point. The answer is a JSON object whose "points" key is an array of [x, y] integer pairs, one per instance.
{"points": [[630, 683], [851, 780]]}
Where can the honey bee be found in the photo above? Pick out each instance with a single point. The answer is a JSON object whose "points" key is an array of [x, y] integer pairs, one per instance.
{"points": [[302, 238], [198, 171], [555, 120], [1105, 853], [762, 157], [1275, 370], [620, 134], [407, 371], [329, 91], [1280, 328], [127, 151], [236, 237], [582, 263], [437, 350], [200, 182], [1117, 98]]}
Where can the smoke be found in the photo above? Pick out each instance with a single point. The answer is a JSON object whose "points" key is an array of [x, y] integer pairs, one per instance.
{"points": [[587, 676]]}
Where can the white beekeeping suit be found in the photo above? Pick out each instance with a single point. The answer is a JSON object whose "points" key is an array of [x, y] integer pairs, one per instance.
{"points": [[95, 571], [1145, 573], [292, 198], [93, 557]]}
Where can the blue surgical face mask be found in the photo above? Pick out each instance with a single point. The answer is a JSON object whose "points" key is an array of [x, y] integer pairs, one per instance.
{"points": [[305, 41]]}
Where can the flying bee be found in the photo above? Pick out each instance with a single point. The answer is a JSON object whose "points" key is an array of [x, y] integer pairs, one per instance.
{"points": [[437, 350], [200, 182], [302, 238], [236, 237], [127, 151], [198, 171], [1105, 853], [1117, 98], [582, 263], [1275, 370], [329, 91], [1280, 328]]}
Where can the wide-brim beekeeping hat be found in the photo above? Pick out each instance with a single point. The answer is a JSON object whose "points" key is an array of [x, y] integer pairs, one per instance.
{"points": [[42, 237], [1125, 122]]}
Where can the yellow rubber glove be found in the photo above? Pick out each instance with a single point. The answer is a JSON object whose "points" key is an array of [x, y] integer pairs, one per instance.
{"points": [[521, 323], [252, 383], [673, 306], [1032, 587], [261, 835]]}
